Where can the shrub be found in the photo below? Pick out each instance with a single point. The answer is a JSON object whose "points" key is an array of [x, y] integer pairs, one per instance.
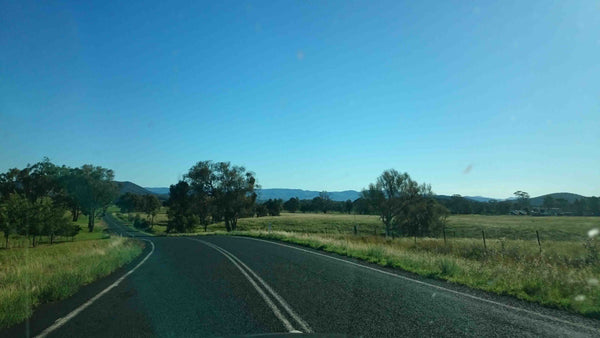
{"points": [[140, 223]]}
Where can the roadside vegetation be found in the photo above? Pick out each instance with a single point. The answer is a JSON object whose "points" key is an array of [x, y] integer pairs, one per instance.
{"points": [[44, 255], [30, 277], [554, 261], [565, 276], [562, 270]]}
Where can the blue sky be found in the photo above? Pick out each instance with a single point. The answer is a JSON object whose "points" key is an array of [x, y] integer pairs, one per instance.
{"points": [[320, 95]]}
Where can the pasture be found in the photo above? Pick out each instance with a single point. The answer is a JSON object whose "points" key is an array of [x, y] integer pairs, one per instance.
{"points": [[562, 270], [550, 228]]}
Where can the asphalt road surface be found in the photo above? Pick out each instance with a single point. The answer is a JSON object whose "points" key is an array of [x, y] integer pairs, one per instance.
{"points": [[224, 286]]}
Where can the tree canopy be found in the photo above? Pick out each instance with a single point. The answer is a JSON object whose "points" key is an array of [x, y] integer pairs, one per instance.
{"points": [[404, 206]]}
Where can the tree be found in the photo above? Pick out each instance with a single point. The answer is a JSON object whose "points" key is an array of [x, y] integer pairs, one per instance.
{"points": [[522, 199], [292, 205], [274, 206], [93, 188], [348, 206], [325, 201], [594, 204], [361, 206], [16, 216], [404, 205], [128, 202], [261, 210], [150, 206], [5, 226], [180, 215], [52, 218], [548, 201], [229, 188], [563, 204]]}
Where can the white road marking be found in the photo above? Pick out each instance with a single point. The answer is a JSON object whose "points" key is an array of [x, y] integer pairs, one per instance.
{"points": [[552, 318], [62, 321], [283, 303], [237, 262]]}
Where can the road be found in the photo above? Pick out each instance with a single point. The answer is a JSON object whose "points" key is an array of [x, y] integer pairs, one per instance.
{"points": [[225, 285]]}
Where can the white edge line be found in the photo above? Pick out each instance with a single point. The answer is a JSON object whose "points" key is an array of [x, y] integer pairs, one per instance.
{"points": [[62, 321], [432, 285], [288, 326]]}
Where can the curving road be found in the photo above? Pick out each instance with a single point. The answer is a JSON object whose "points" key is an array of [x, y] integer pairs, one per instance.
{"points": [[223, 286]]}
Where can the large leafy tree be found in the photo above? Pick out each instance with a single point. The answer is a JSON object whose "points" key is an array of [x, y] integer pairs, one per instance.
{"points": [[223, 190], [14, 216], [274, 206], [93, 188], [150, 205], [180, 213], [403, 204], [522, 199], [292, 205]]}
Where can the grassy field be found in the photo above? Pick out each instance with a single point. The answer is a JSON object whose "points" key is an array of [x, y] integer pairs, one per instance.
{"points": [[563, 228], [458, 226], [32, 276]]}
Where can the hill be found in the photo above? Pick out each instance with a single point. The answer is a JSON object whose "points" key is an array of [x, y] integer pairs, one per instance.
{"points": [[570, 197], [126, 186], [158, 191], [286, 194]]}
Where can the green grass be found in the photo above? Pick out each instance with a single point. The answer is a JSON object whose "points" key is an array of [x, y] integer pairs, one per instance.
{"points": [[565, 276], [563, 228], [32, 276], [459, 226], [16, 241]]}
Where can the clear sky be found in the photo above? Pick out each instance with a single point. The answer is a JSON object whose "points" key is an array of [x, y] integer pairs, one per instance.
{"points": [[474, 97]]}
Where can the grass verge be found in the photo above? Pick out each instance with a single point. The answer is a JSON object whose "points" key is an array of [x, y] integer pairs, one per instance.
{"points": [[31, 276], [565, 276]]}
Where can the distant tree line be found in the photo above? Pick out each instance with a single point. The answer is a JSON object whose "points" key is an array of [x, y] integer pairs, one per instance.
{"points": [[586, 206], [34, 200], [148, 204], [320, 204]]}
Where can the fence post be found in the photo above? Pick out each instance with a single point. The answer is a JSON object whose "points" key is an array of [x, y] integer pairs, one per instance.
{"points": [[355, 230], [538, 239], [444, 229], [483, 235]]}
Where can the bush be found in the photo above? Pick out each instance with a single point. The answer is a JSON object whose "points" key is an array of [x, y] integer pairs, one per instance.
{"points": [[140, 223]]}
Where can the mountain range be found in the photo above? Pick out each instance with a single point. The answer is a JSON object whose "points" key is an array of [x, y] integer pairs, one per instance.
{"points": [[286, 194]]}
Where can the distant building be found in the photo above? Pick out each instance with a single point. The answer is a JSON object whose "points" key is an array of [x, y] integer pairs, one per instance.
{"points": [[541, 211]]}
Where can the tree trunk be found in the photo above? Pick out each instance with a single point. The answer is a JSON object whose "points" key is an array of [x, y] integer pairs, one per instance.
{"points": [[227, 226], [75, 213], [91, 220]]}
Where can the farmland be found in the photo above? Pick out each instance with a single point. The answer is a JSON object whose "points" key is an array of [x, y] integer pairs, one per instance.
{"points": [[562, 270], [458, 226]]}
